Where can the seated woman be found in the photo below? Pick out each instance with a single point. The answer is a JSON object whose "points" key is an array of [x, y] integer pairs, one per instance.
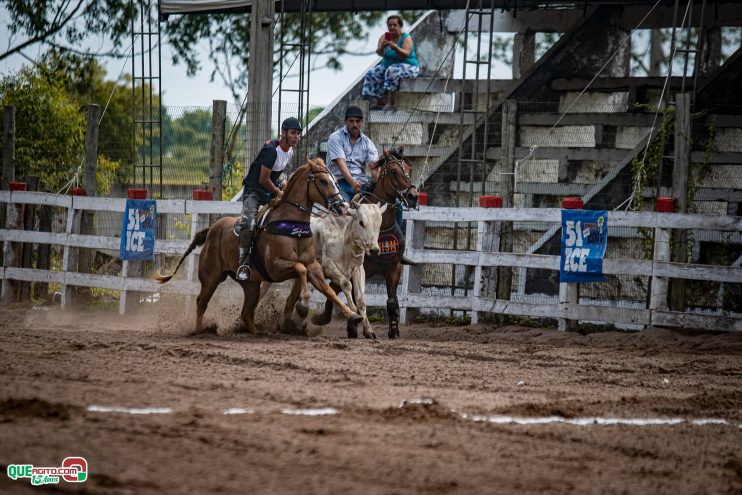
{"points": [[399, 61]]}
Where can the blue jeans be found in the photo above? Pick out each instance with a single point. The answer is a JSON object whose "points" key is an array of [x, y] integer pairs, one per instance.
{"points": [[347, 189]]}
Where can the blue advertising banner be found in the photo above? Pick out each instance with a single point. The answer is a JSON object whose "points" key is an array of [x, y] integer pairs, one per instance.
{"points": [[584, 238], [138, 230]]}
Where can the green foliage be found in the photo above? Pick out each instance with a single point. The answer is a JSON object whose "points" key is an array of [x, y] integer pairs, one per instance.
{"points": [[64, 22], [646, 165], [50, 129], [232, 184], [107, 174], [189, 138], [85, 80], [645, 168], [699, 171], [313, 112]]}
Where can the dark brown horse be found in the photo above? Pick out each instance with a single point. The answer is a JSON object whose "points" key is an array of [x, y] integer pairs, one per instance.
{"points": [[276, 256], [394, 183]]}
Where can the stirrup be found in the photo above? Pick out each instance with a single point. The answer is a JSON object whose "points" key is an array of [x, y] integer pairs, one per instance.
{"points": [[243, 272]]}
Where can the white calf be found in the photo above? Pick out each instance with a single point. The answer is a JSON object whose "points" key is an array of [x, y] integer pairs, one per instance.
{"points": [[342, 242]]}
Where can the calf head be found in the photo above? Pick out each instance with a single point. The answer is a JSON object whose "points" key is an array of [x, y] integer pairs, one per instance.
{"points": [[366, 221]]}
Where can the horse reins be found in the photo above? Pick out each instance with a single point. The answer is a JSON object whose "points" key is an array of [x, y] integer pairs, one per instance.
{"points": [[400, 193], [311, 179]]}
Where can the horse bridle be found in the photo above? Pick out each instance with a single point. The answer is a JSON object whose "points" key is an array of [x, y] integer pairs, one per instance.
{"points": [[402, 194], [311, 176]]}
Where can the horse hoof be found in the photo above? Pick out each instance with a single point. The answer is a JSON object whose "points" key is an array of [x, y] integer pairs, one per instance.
{"points": [[394, 333], [352, 332], [321, 318], [302, 310], [371, 336]]}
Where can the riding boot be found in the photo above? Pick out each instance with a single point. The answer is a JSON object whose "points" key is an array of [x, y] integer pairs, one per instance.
{"points": [[243, 270]]}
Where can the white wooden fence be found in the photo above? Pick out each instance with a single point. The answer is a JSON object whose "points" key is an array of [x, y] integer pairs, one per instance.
{"points": [[567, 309]]}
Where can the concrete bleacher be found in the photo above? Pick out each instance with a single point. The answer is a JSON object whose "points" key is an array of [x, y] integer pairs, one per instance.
{"points": [[569, 140]]}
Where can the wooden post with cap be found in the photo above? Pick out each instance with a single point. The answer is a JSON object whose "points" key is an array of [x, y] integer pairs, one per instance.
{"points": [[90, 184], [12, 251], [569, 293]]}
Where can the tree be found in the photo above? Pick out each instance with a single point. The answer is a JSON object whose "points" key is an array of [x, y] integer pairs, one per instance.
{"points": [[85, 82], [228, 38], [50, 128], [66, 25]]}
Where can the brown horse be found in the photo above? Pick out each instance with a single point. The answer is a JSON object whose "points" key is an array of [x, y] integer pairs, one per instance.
{"points": [[394, 183], [277, 256]]}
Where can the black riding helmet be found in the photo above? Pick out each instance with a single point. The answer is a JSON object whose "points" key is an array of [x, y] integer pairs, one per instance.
{"points": [[291, 123]]}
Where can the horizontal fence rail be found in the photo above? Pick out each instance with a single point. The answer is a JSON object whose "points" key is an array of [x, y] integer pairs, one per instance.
{"points": [[483, 255], [487, 220]]}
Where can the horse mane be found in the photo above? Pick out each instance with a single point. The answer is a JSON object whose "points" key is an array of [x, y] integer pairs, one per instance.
{"points": [[397, 154], [312, 165]]}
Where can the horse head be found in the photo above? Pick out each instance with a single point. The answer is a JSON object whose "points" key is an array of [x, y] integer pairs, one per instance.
{"points": [[395, 180], [321, 187]]}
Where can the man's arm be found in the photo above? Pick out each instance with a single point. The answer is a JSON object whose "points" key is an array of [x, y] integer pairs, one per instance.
{"points": [[343, 167], [336, 154], [267, 183], [371, 159]]}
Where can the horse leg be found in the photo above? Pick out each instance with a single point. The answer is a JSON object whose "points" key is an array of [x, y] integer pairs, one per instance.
{"points": [[359, 285], [317, 277], [302, 305], [251, 289], [208, 286], [391, 278], [292, 323], [325, 316], [301, 308], [292, 299]]}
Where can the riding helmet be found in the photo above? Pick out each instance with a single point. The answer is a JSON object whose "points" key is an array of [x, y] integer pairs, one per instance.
{"points": [[291, 123]]}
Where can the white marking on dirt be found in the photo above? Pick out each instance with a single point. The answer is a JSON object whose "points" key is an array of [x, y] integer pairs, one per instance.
{"points": [[130, 410], [590, 421], [322, 411], [239, 410], [405, 402], [711, 421]]}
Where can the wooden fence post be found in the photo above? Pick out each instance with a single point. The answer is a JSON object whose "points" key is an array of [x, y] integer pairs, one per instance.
{"points": [[70, 256], [8, 158], [487, 232], [12, 251], [659, 293], [41, 289], [216, 151], [129, 298], [29, 220], [87, 225], [507, 189], [198, 222], [412, 275], [680, 192], [569, 293]]}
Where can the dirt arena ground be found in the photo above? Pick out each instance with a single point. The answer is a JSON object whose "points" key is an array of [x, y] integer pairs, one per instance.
{"points": [[438, 411]]}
